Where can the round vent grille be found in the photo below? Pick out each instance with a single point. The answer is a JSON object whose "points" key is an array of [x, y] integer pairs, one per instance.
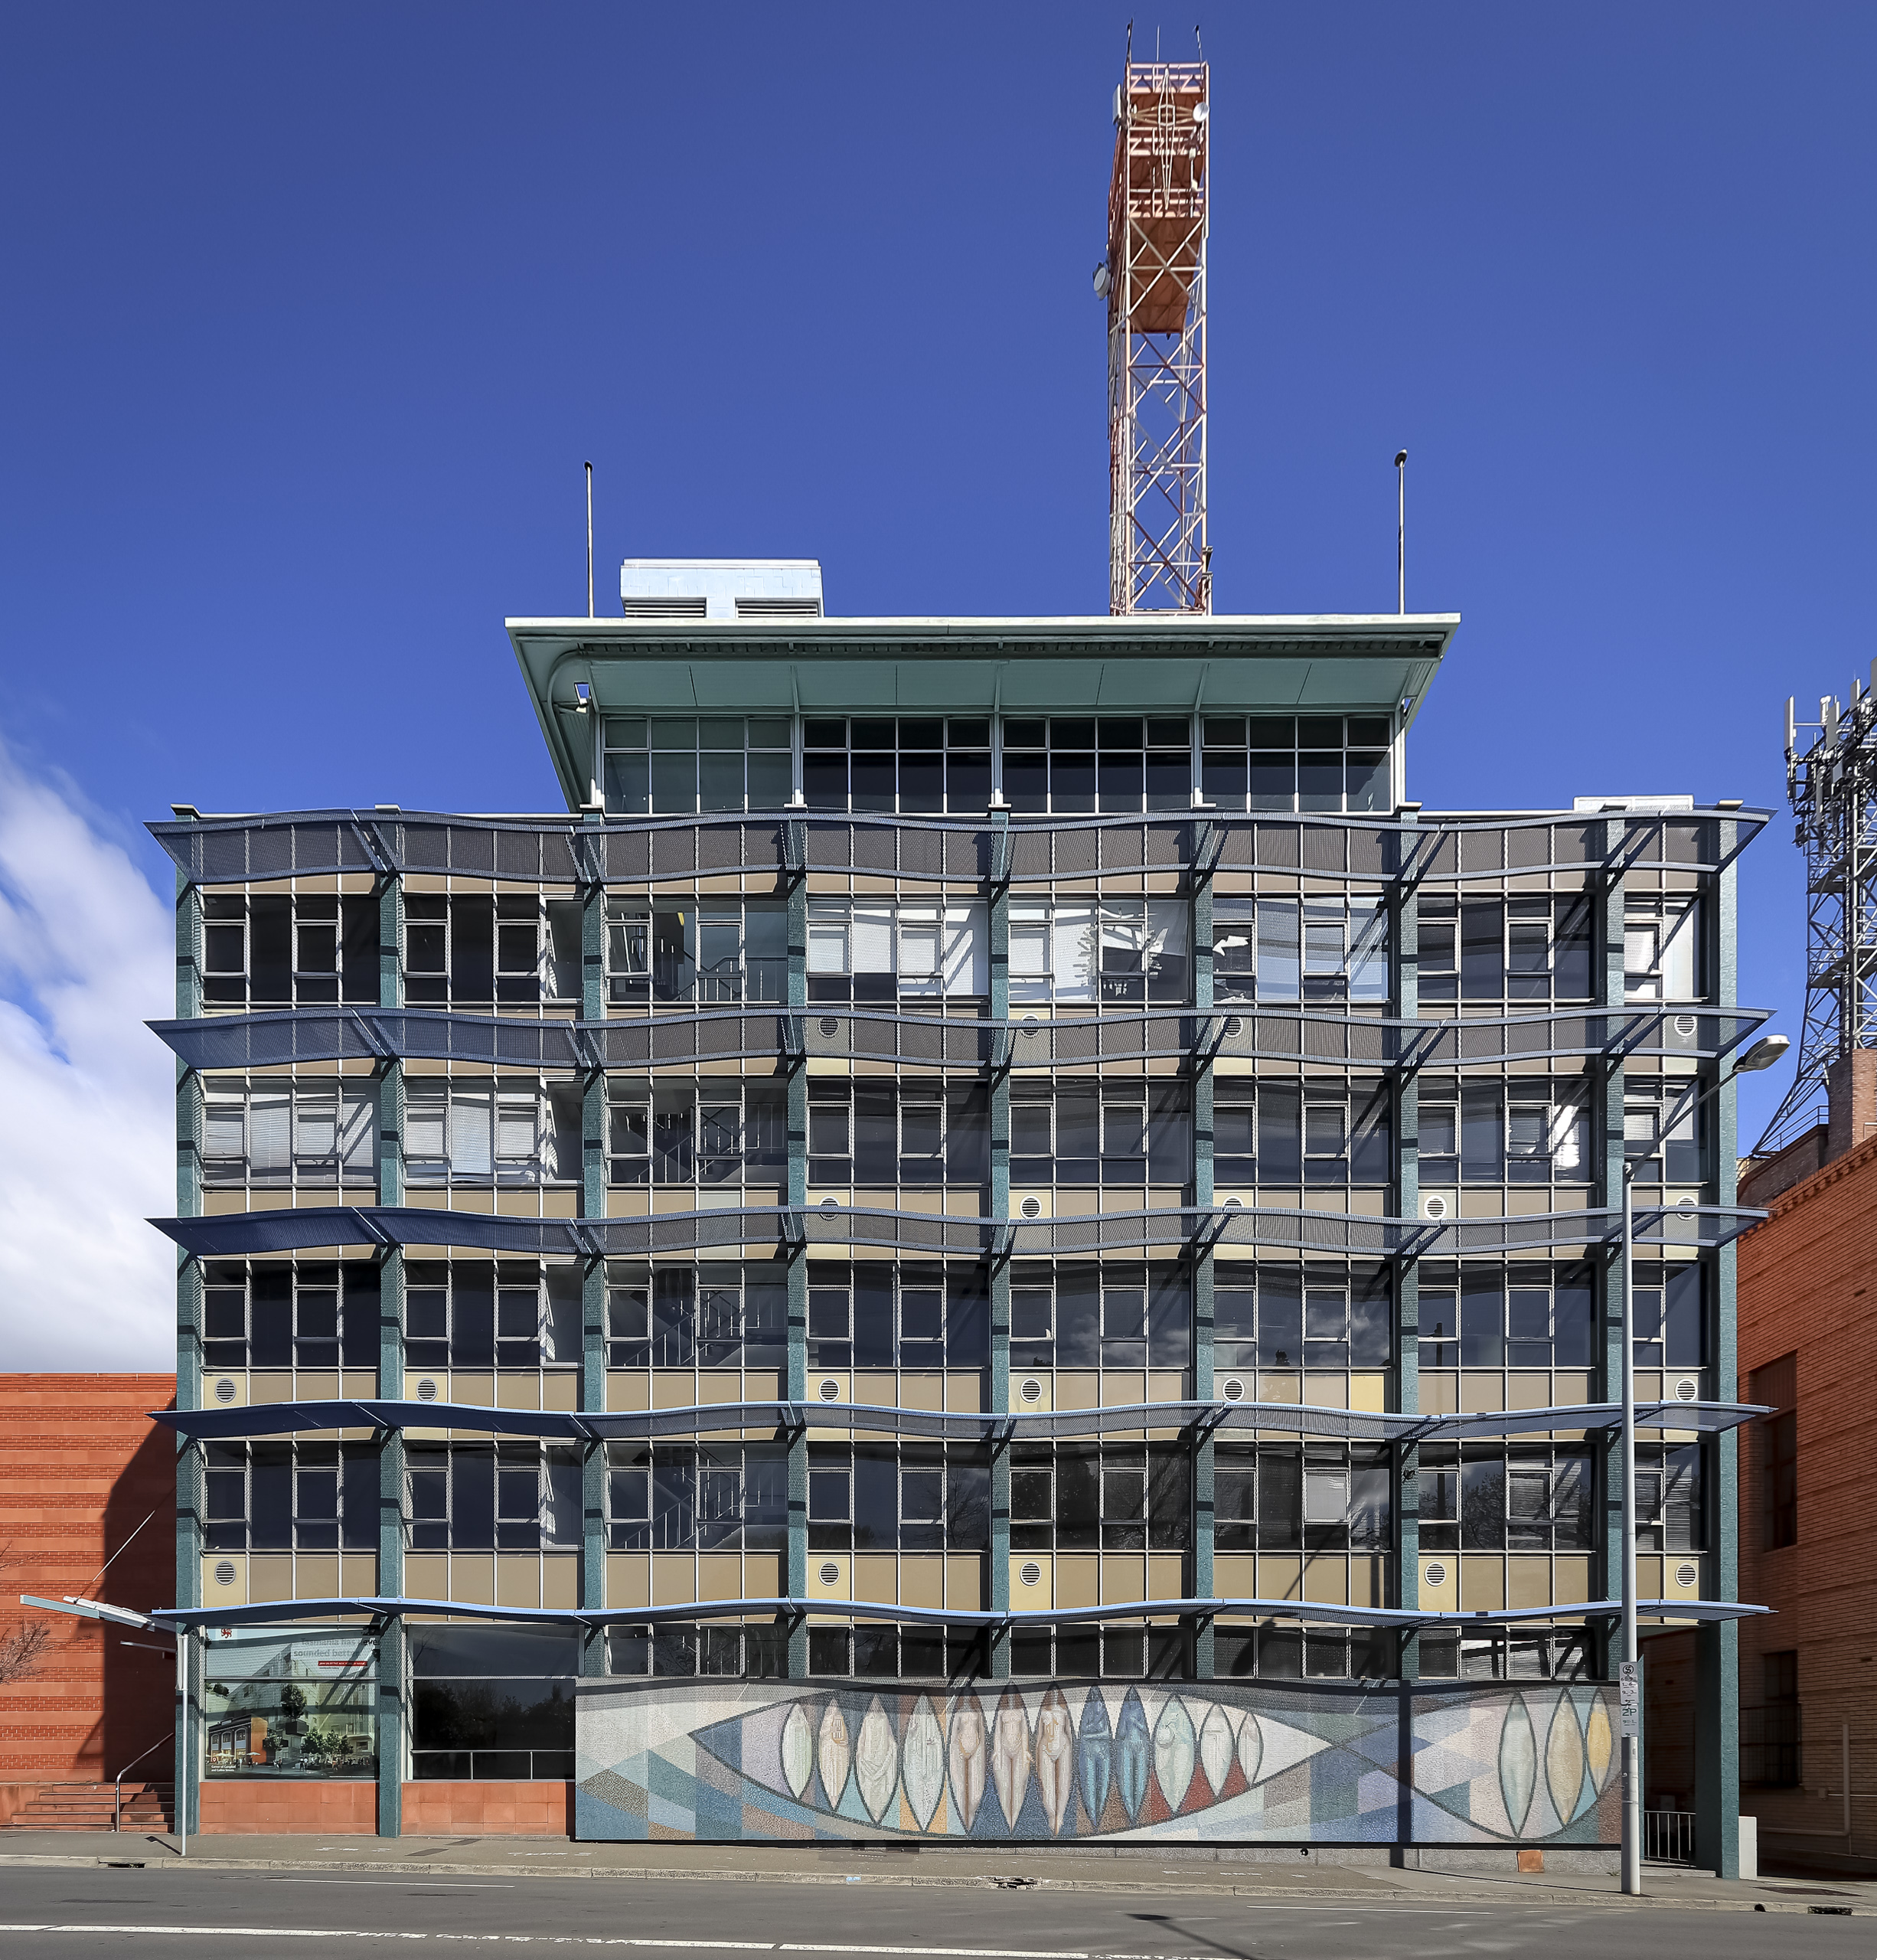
{"points": [[1434, 1573], [1234, 1024], [1029, 1023], [1030, 1572], [830, 1572], [830, 1390], [225, 1572], [1434, 1207], [1684, 1204], [1686, 1575], [1685, 1389], [1233, 1389], [427, 1390], [829, 1026], [224, 1390], [1031, 1207], [831, 1204], [1030, 1389], [1234, 1204], [1685, 1026]]}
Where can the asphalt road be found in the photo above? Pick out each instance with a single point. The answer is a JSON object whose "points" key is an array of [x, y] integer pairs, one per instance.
{"points": [[55, 1913]]}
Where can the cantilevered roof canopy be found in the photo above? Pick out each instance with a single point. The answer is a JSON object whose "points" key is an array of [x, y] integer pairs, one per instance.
{"points": [[1330, 663]]}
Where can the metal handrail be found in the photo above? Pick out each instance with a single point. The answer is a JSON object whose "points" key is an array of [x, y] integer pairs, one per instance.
{"points": [[117, 1803]]}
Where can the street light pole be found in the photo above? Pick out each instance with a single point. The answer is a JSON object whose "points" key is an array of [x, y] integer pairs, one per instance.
{"points": [[1764, 1052], [1632, 1739]]}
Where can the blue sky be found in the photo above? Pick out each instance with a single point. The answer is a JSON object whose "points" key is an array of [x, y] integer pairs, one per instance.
{"points": [[314, 312]]}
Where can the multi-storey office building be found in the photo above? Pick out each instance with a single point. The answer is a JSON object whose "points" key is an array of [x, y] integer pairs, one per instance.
{"points": [[994, 1235]]}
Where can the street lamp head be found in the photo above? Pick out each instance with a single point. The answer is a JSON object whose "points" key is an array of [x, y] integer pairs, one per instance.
{"points": [[1401, 457], [1765, 1053]]}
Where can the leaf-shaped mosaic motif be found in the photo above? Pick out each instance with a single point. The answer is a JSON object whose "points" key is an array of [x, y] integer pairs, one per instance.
{"points": [[924, 1762], [969, 1754], [1174, 1746], [1563, 1760], [834, 1751], [1518, 1763], [876, 1761], [1095, 1756], [1599, 1744], [1134, 1754], [1009, 1753], [1215, 1747], [798, 1751], [1251, 1745], [1055, 1759]]}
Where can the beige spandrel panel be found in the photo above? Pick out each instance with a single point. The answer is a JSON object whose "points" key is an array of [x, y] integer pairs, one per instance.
{"points": [[1482, 1582], [1482, 1391], [316, 1576], [1124, 1578], [1326, 1579], [674, 1578], [1280, 1576], [1235, 1575], [629, 1579], [472, 1578], [518, 1579], [922, 1580], [763, 1576], [270, 1576], [965, 1581], [426, 1575], [719, 1575], [1166, 1575]]}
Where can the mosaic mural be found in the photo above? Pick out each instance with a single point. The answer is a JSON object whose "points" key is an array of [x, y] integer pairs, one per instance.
{"points": [[1204, 1761]]}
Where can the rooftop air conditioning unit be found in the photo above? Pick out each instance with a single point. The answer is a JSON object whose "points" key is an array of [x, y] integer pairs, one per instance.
{"points": [[720, 589], [673, 605], [779, 609]]}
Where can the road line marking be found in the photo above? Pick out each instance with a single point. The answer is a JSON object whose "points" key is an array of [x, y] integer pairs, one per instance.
{"points": [[576, 1939]]}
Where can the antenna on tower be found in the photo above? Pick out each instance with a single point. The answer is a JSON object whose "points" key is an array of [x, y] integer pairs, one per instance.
{"points": [[590, 613], [1154, 279], [1831, 783]]}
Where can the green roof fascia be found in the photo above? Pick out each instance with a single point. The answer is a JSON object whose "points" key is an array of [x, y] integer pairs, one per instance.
{"points": [[1350, 663]]}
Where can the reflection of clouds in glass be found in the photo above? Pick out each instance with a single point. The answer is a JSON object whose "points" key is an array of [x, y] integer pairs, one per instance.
{"points": [[86, 955]]}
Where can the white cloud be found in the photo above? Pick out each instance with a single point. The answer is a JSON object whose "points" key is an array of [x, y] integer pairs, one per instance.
{"points": [[87, 1097]]}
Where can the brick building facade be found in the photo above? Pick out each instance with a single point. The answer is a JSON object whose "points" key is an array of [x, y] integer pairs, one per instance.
{"points": [[85, 1477], [1808, 1349]]}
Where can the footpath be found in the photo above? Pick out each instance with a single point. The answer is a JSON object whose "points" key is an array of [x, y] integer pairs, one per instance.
{"points": [[1194, 1872]]}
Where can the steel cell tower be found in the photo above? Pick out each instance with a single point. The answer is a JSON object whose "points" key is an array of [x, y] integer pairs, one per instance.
{"points": [[1155, 280], [1832, 785]]}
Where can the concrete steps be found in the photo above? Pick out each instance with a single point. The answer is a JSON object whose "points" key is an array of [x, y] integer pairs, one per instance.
{"points": [[91, 1806]]}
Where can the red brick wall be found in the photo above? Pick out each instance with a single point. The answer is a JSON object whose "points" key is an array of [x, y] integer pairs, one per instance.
{"points": [[492, 1810], [252, 1807], [1808, 1284], [81, 1467]]}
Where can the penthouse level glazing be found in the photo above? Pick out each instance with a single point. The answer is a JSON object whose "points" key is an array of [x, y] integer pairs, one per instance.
{"points": [[1039, 1132]]}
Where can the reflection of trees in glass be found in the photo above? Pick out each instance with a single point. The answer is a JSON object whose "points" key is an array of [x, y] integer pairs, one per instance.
{"points": [[293, 1706]]}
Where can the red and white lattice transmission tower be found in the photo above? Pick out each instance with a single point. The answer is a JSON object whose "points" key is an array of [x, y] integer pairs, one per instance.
{"points": [[1155, 280]]}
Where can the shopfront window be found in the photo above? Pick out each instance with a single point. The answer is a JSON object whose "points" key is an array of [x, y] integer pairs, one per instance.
{"points": [[298, 1702]]}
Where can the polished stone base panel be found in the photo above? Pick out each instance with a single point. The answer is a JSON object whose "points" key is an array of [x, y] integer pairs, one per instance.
{"points": [[1213, 1763]]}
